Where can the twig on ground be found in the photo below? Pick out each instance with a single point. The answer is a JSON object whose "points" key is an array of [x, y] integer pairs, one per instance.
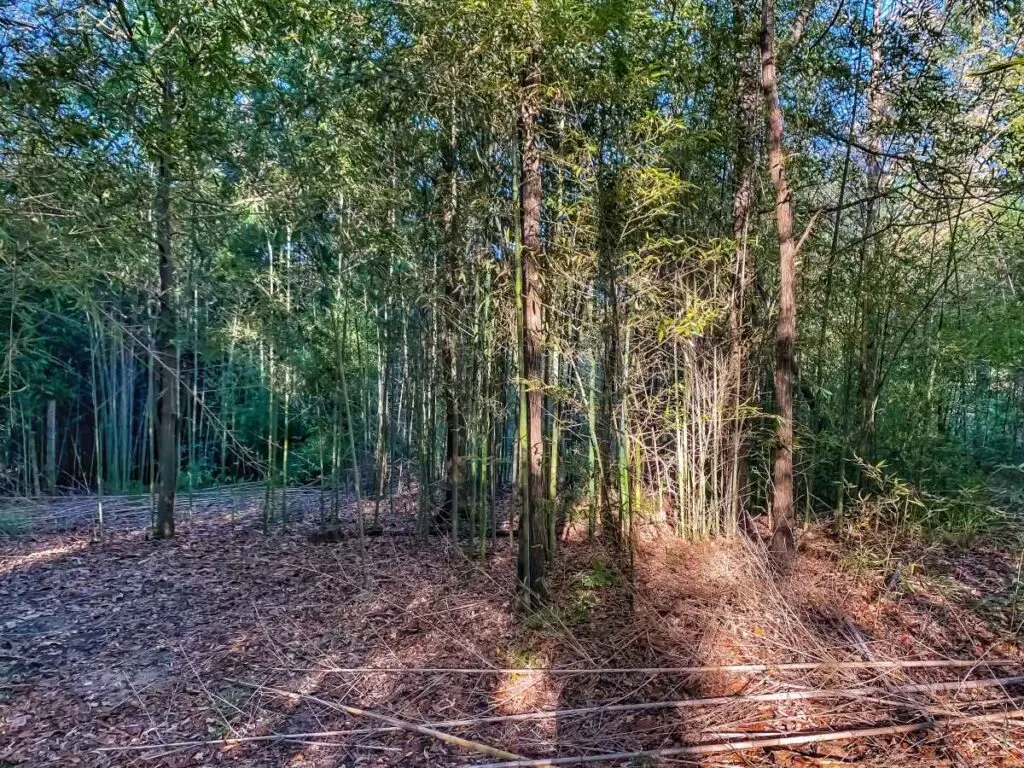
{"points": [[852, 693], [227, 741]]}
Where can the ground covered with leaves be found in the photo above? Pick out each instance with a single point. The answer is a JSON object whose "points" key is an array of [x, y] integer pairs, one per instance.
{"points": [[229, 646]]}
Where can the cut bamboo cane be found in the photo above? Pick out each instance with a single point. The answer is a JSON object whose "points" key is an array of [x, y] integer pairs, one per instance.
{"points": [[846, 693], [699, 750], [791, 696], [227, 741], [456, 741], [694, 670]]}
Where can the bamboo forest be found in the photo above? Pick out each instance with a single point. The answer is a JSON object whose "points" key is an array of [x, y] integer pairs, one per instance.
{"points": [[511, 383]]}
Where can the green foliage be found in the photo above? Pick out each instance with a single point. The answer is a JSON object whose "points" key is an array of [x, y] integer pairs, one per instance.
{"points": [[526, 658], [345, 206], [588, 587], [886, 501], [597, 575]]}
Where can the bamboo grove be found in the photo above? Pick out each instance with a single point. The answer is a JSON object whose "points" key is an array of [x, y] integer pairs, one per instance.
{"points": [[612, 260]]}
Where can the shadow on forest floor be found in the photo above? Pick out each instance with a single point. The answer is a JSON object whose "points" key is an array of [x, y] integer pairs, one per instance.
{"points": [[135, 642]]}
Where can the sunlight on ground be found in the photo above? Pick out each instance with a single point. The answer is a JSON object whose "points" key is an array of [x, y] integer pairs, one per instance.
{"points": [[11, 563], [272, 623]]}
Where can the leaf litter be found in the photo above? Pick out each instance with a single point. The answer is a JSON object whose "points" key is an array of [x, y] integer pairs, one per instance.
{"points": [[224, 639]]}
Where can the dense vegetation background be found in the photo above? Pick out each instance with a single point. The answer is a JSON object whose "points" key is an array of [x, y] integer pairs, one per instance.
{"points": [[530, 244]]}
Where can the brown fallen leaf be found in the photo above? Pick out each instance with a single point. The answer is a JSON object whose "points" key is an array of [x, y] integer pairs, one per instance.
{"points": [[797, 760]]}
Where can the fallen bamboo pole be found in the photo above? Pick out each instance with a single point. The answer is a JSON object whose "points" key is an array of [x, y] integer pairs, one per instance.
{"points": [[846, 693], [232, 740], [457, 741], [546, 714], [694, 670], [698, 750], [394, 723]]}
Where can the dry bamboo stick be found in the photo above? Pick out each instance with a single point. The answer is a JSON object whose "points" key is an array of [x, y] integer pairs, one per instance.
{"points": [[797, 666], [850, 693], [231, 740], [697, 750], [846, 693], [790, 696], [457, 741]]}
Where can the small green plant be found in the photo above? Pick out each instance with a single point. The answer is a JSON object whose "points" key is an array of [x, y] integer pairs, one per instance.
{"points": [[554, 619], [14, 525], [587, 587], [525, 658], [232, 696], [226, 703], [885, 500], [597, 575], [864, 560]]}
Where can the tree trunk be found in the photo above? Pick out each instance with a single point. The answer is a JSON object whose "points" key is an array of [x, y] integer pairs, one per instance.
{"points": [[166, 355], [532, 555], [868, 367], [742, 205], [51, 446], [607, 181], [449, 343], [783, 542]]}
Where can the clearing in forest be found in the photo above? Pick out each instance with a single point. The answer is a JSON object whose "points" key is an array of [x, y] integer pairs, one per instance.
{"points": [[231, 647]]}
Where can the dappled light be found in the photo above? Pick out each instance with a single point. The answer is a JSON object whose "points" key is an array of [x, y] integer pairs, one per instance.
{"points": [[270, 638], [511, 383]]}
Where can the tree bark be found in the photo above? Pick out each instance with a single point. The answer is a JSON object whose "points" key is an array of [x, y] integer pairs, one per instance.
{"points": [[449, 342], [783, 543], [51, 446], [607, 180], [532, 555], [867, 391], [166, 354], [742, 205]]}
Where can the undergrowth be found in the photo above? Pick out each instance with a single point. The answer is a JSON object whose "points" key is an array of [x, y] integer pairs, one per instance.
{"points": [[14, 524], [587, 586], [885, 503]]}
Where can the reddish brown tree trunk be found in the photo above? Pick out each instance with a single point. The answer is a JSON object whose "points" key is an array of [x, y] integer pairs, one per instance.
{"points": [[532, 554], [867, 393], [742, 205], [783, 541], [166, 354]]}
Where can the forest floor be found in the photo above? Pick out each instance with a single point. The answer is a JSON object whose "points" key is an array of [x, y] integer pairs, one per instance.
{"points": [[216, 644]]}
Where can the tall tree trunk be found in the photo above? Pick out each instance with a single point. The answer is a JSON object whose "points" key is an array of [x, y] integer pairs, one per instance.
{"points": [[742, 205], [449, 343], [271, 383], [166, 355], [868, 365], [97, 442], [532, 555], [31, 456], [783, 541], [607, 181], [51, 446]]}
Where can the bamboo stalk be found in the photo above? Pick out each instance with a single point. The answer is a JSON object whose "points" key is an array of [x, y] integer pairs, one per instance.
{"points": [[225, 742]]}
